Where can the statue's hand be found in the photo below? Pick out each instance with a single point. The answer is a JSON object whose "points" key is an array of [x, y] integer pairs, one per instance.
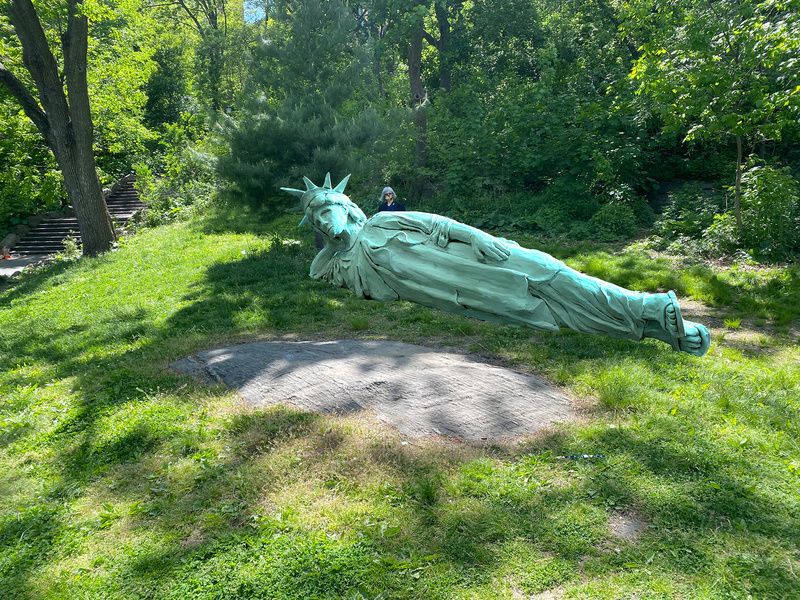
{"points": [[489, 248]]}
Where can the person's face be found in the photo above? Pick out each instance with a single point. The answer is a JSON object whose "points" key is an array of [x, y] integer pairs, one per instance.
{"points": [[389, 197]]}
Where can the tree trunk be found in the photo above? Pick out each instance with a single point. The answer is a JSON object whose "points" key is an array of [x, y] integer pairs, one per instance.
{"points": [[418, 95], [86, 197], [64, 121], [737, 195], [97, 230], [443, 47]]}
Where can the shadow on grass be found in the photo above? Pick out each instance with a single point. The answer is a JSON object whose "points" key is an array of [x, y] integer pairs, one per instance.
{"points": [[28, 282]]}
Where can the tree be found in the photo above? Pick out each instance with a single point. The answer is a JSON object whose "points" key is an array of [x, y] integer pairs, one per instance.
{"points": [[409, 24], [725, 69], [62, 112], [219, 25], [309, 104], [166, 88]]}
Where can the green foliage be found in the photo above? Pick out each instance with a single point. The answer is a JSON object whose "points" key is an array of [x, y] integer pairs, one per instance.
{"points": [[770, 211], [579, 108], [613, 222], [119, 67], [167, 87], [30, 182], [185, 180], [689, 211], [721, 238], [695, 222], [309, 112], [724, 68]]}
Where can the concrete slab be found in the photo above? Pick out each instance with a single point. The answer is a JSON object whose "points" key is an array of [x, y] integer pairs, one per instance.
{"points": [[420, 391], [12, 266]]}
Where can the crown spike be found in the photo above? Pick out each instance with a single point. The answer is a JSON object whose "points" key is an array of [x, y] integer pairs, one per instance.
{"points": [[310, 185], [341, 185], [293, 191], [327, 184]]}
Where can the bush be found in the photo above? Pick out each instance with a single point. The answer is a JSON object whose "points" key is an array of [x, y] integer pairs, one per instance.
{"points": [[770, 211], [613, 222], [30, 181], [187, 178], [689, 211], [722, 237]]}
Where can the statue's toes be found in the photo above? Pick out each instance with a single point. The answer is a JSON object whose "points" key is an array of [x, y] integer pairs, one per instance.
{"points": [[673, 320], [696, 341]]}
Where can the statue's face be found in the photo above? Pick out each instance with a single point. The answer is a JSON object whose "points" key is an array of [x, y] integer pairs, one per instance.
{"points": [[331, 213]]}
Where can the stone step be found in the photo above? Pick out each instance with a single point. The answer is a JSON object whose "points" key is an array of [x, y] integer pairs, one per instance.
{"points": [[53, 229], [38, 250], [48, 237], [45, 239]]}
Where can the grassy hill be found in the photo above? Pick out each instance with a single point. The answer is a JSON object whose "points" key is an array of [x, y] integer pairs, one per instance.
{"points": [[121, 479]]}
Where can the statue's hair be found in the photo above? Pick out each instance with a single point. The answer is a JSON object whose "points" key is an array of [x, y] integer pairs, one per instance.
{"points": [[316, 199]]}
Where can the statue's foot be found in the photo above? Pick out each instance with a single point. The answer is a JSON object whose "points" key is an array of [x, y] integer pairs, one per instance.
{"points": [[696, 341], [673, 320], [662, 311]]}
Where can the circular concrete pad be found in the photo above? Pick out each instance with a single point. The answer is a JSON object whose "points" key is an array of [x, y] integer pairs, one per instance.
{"points": [[418, 390]]}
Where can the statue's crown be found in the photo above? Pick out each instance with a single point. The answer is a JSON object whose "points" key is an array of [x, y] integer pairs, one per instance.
{"points": [[308, 194], [312, 191]]}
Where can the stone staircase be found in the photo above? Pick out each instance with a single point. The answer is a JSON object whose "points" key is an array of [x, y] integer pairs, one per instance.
{"points": [[48, 236]]}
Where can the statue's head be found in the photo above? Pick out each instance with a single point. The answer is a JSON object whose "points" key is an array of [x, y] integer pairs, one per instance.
{"points": [[328, 210]]}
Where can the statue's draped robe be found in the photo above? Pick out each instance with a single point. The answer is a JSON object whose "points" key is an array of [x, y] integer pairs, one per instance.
{"points": [[410, 256]]}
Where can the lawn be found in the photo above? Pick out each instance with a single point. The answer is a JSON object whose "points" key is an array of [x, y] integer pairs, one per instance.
{"points": [[122, 479]]}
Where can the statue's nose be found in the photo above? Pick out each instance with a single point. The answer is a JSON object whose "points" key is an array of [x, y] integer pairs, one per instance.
{"points": [[338, 221]]}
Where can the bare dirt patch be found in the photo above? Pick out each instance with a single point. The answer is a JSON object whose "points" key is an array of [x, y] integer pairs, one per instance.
{"points": [[627, 526]]}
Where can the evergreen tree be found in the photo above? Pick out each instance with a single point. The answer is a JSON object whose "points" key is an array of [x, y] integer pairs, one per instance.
{"points": [[310, 109]]}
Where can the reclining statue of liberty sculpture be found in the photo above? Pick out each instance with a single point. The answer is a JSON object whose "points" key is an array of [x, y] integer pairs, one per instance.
{"points": [[444, 264]]}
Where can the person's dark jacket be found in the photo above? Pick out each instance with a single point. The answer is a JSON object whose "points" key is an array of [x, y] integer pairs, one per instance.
{"points": [[394, 206]]}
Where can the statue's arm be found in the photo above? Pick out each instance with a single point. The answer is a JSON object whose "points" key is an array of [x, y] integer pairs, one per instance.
{"points": [[444, 230], [485, 246]]}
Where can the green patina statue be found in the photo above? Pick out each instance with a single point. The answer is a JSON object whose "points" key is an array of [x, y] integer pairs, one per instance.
{"points": [[444, 264]]}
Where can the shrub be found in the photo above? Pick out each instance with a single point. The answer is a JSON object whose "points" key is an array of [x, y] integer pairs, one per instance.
{"points": [[187, 178], [689, 211], [613, 222], [770, 211], [30, 181], [721, 238]]}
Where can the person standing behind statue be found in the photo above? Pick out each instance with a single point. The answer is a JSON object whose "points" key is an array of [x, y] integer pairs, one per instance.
{"points": [[389, 201]]}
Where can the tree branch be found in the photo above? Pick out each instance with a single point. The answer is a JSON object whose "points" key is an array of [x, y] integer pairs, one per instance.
{"points": [[430, 39], [39, 60], [192, 17], [26, 100]]}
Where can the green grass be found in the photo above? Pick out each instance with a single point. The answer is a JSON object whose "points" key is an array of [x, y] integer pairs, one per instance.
{"points": [[121, 479]]}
